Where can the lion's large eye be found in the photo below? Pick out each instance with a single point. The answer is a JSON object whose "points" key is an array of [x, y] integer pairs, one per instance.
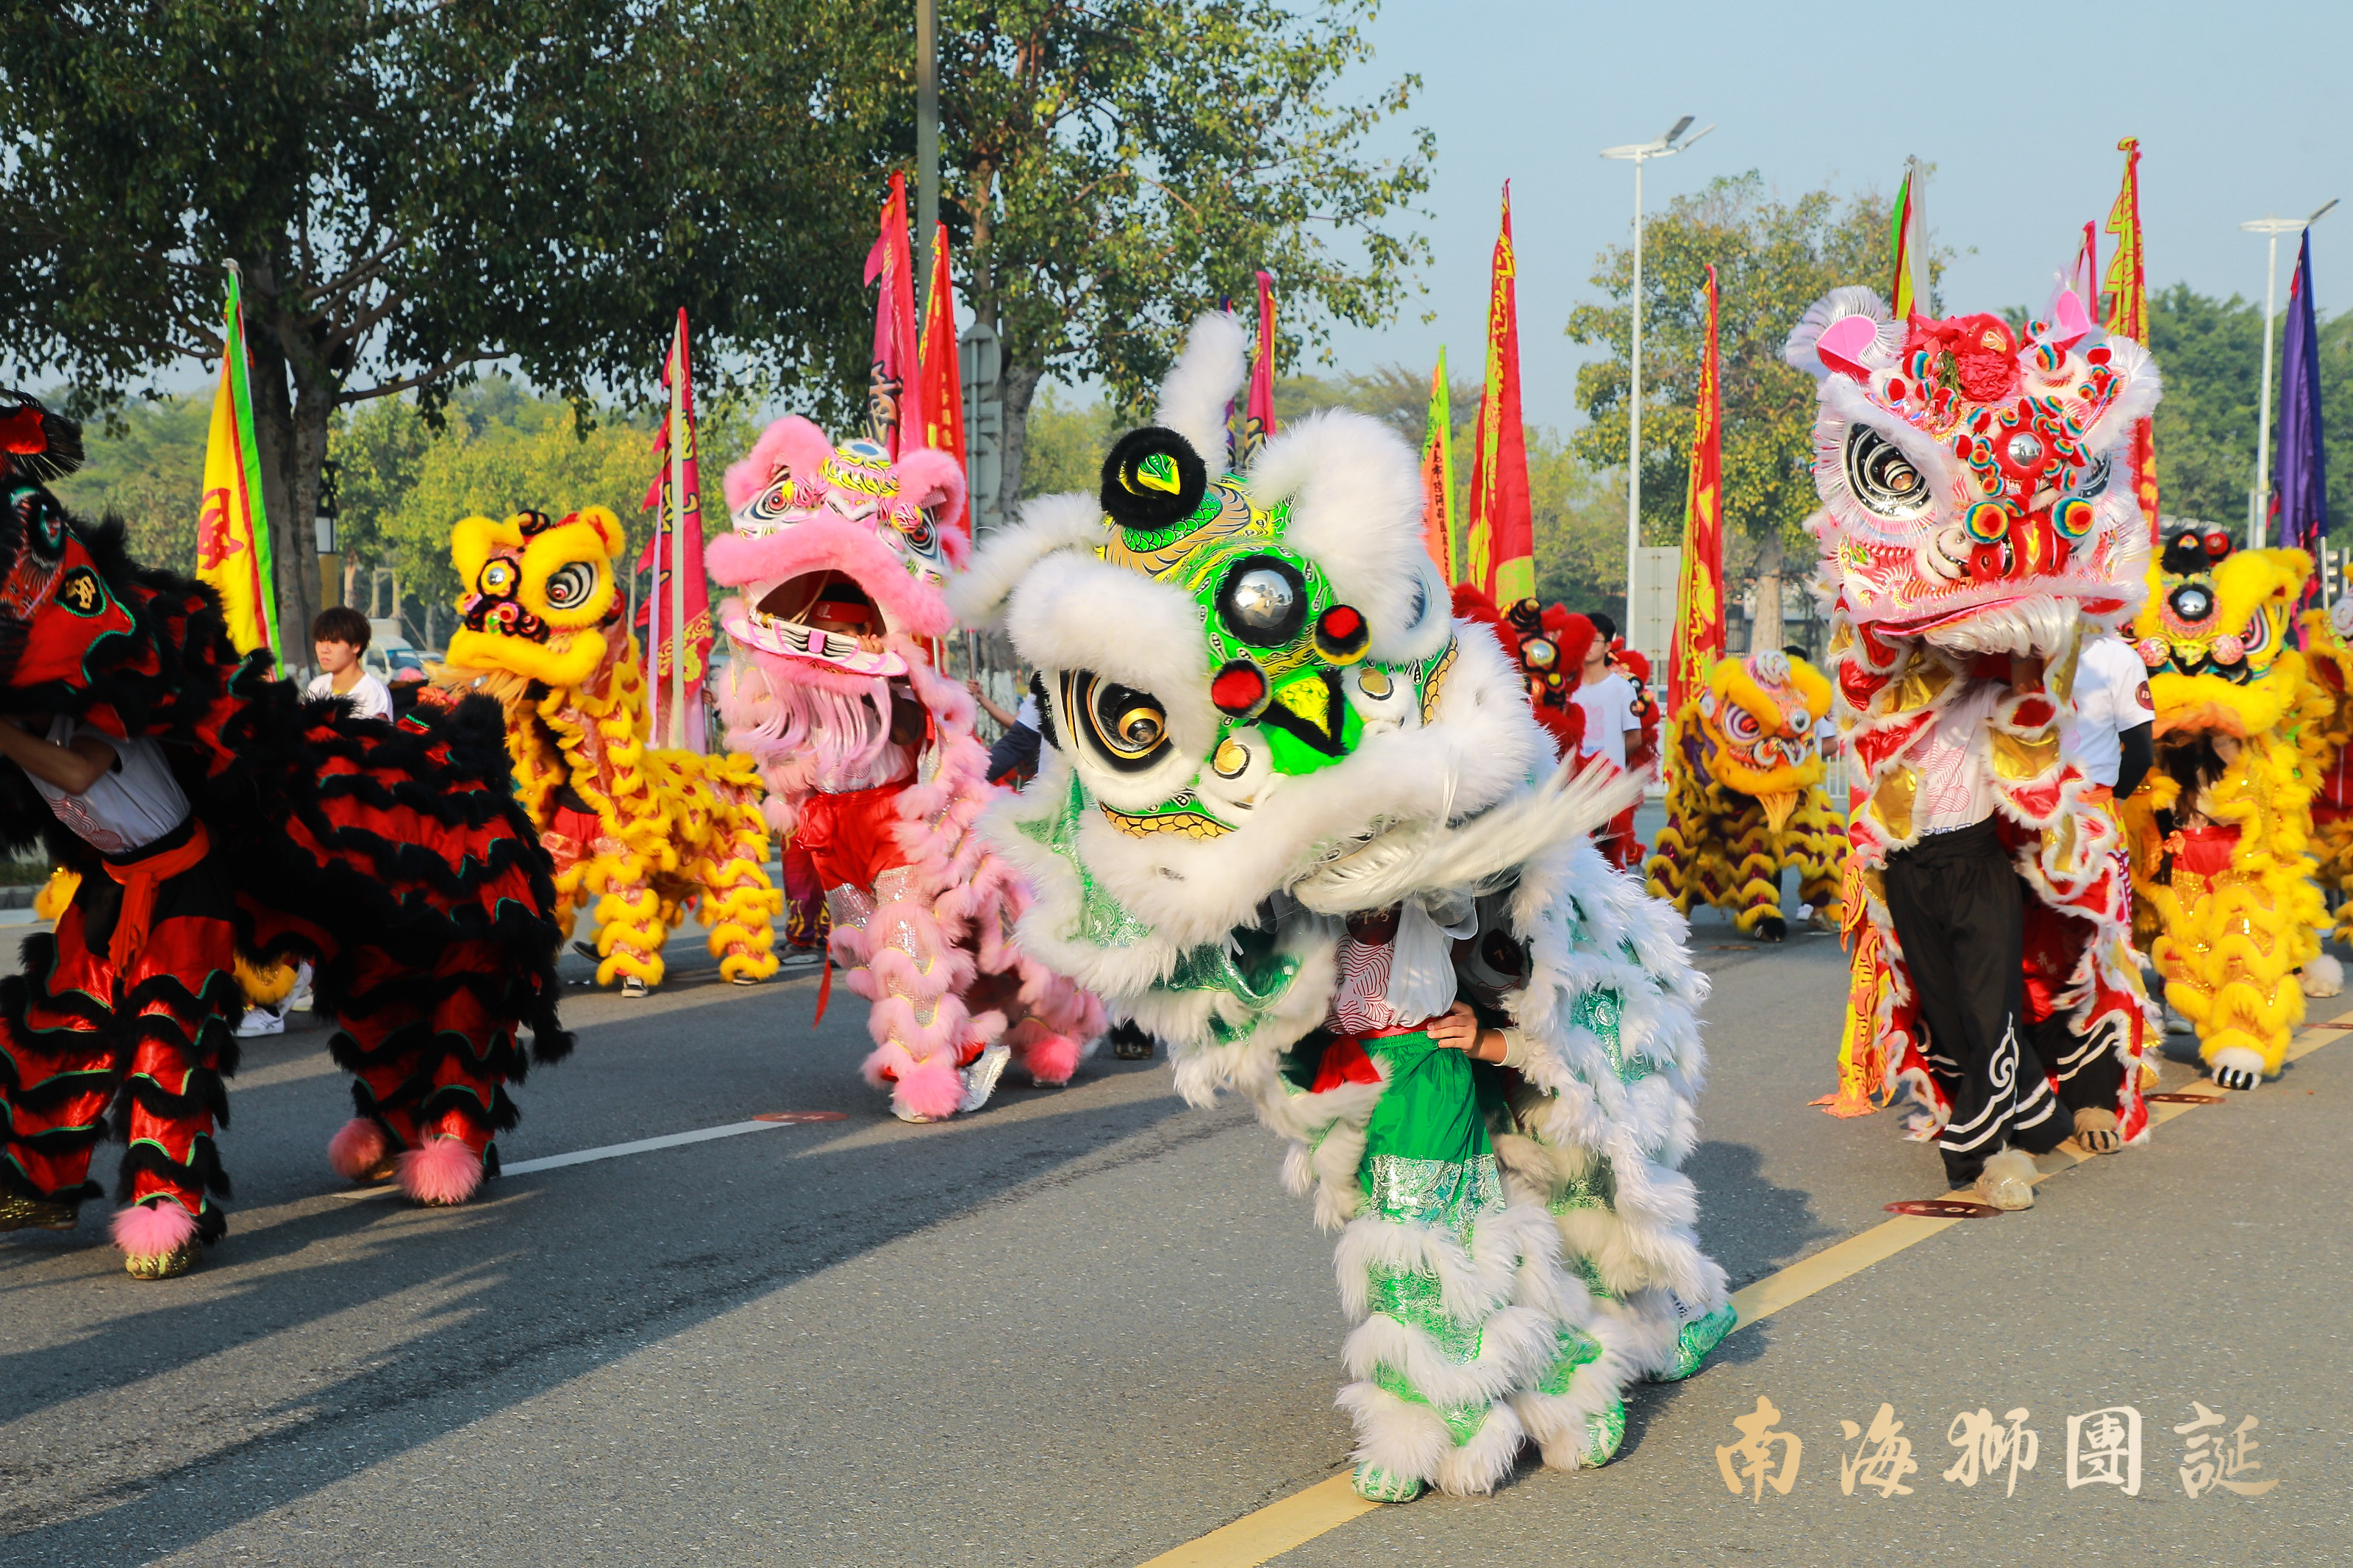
{"points": [[915, 528], [2257, 638], [1881, 478], [1128, 729], [1741, 725], [2093, 482], [499, 579], [571, 584]]}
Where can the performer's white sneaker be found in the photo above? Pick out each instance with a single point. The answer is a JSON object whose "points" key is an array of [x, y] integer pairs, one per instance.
{"points": [[261, 1021], [980, 1078]]}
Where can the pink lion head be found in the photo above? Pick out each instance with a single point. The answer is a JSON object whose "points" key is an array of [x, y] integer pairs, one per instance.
{"points": [[839, 558]]}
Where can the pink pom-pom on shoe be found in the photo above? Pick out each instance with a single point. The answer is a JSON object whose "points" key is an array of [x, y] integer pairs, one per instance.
{"points": [[444, 1172], [933, 1091], [154, 1229], [358, 1150], [1051, 1058]]}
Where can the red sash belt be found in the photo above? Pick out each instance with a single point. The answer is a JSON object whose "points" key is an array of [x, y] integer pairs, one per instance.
{"points": [[140, 878]]}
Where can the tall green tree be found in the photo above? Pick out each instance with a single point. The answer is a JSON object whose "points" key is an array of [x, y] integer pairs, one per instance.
{"points": [[1115, 166], [1772, 259], [415, 188]]}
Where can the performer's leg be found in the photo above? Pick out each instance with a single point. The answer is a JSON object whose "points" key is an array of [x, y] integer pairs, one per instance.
{"points": [[897, 957], [1759, 876], [630, 925], [380, 1029], [58, 1073], [179, 1001], [805, 918], [1956, 913]]}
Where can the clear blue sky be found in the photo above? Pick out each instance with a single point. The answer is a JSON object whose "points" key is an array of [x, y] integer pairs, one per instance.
{"points": [[2242, 109]]}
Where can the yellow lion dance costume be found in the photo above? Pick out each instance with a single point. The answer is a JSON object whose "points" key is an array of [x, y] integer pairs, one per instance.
{"points": [[2225, 900], [1746, 797], [644, 832], [2326, 743]]}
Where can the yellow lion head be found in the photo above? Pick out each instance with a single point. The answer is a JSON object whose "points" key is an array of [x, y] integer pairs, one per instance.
{"points": [[536, 597], [1756, 731], [2214, 634]]}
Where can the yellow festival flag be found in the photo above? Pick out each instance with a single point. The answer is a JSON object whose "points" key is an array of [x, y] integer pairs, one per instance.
{"points": [[232, 533], [2128, 313], [1699, 593], [1502, 531], [1439, 526]]}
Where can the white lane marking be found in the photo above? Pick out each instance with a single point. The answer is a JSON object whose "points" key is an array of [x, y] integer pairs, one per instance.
{"points": [[642, 1146]]}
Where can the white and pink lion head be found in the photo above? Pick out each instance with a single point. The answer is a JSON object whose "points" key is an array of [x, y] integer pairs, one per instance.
{"points": [[840, 557], [1973, 477]]}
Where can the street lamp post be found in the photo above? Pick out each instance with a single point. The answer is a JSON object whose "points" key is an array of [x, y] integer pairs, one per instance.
{"points": [[1638, 154], [2259, 493]]}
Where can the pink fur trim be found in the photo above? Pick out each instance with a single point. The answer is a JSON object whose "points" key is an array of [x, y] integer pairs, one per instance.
{"points": [[933, 1089], [358, 1147], [792, 444], [934, 480], [1049, 1058], [824, 544], [152, 1229], [444, 1172]]}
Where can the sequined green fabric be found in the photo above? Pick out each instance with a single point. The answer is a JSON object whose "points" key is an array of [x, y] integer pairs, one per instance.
{"points": [[1248, 967], [1418, 1300], [1590, 1272], [1603, 1012], [1104, 920], [1462, 1421], [1578, 1349], [1447, 1194], [1596, 1189]]}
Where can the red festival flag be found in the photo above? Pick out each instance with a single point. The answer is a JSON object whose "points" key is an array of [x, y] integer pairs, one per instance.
{"points": [[894, 395], [1503, 530], [1258, 409], [656, 616], [1699, 593], [942, 381], [2127, 315]]}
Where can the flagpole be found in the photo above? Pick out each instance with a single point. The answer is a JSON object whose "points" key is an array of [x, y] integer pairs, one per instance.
{"points": [[677, 541]]}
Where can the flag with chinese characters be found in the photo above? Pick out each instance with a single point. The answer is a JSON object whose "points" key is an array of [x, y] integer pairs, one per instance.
{"points": [[655, 615], [2300, 477], [232, 533], [1439, 526], [942, 381], [895, 381], [1258, 407], [1503, 528], [2128, 313], [1699, 593]]}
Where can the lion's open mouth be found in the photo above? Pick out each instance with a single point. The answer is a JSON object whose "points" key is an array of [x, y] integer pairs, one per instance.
{"points": [[819, 615]]}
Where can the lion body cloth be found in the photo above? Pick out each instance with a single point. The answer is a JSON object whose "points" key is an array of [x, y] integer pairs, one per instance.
{"points": [[638, 835], [871, 766], [1745, 799], [1294, 815]]}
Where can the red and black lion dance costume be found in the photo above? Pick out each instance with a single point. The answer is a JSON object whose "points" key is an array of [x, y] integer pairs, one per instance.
{"points": [[391, 857]]}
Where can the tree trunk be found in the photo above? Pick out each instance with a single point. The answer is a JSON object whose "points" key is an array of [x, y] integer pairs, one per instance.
{"points": [[1018, 386], [296, 542], [1765, 631], [294, 394]]}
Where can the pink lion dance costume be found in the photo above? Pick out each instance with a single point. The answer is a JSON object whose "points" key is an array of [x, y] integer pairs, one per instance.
{"points": [[840, 558]]}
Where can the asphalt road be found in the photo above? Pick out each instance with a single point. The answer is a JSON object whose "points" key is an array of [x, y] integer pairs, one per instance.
{"points": [[1086, 1326]]}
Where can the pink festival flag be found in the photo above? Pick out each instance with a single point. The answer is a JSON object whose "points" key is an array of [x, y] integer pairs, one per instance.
{"points": [[1258, 411], [894, 398], [659, 610]]}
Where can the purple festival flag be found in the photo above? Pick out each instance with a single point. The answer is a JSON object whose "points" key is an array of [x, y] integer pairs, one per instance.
{"points": [[2300, 474]]}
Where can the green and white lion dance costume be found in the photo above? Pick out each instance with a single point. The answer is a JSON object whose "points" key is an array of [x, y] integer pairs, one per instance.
{"points": [[1268, 734]]}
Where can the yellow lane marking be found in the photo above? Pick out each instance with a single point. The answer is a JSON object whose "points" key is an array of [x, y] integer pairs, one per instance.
{"points": [[1262, 1537]]}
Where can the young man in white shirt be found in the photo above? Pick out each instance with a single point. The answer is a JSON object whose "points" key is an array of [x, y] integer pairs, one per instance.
{"points": [[339, 638], [1606, 698]]}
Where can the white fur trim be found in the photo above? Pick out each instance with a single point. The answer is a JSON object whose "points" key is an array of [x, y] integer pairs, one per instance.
{"points": [[1838, 304], [1203, 380], [1047, 524]]}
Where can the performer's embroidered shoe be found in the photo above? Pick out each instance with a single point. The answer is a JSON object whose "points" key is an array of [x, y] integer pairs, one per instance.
{"points": [[1697, 1339], [1604, 1431], [2008, 1181], [163, 1265], [980, 1078], [36, 1213], [1375, 1484]]}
